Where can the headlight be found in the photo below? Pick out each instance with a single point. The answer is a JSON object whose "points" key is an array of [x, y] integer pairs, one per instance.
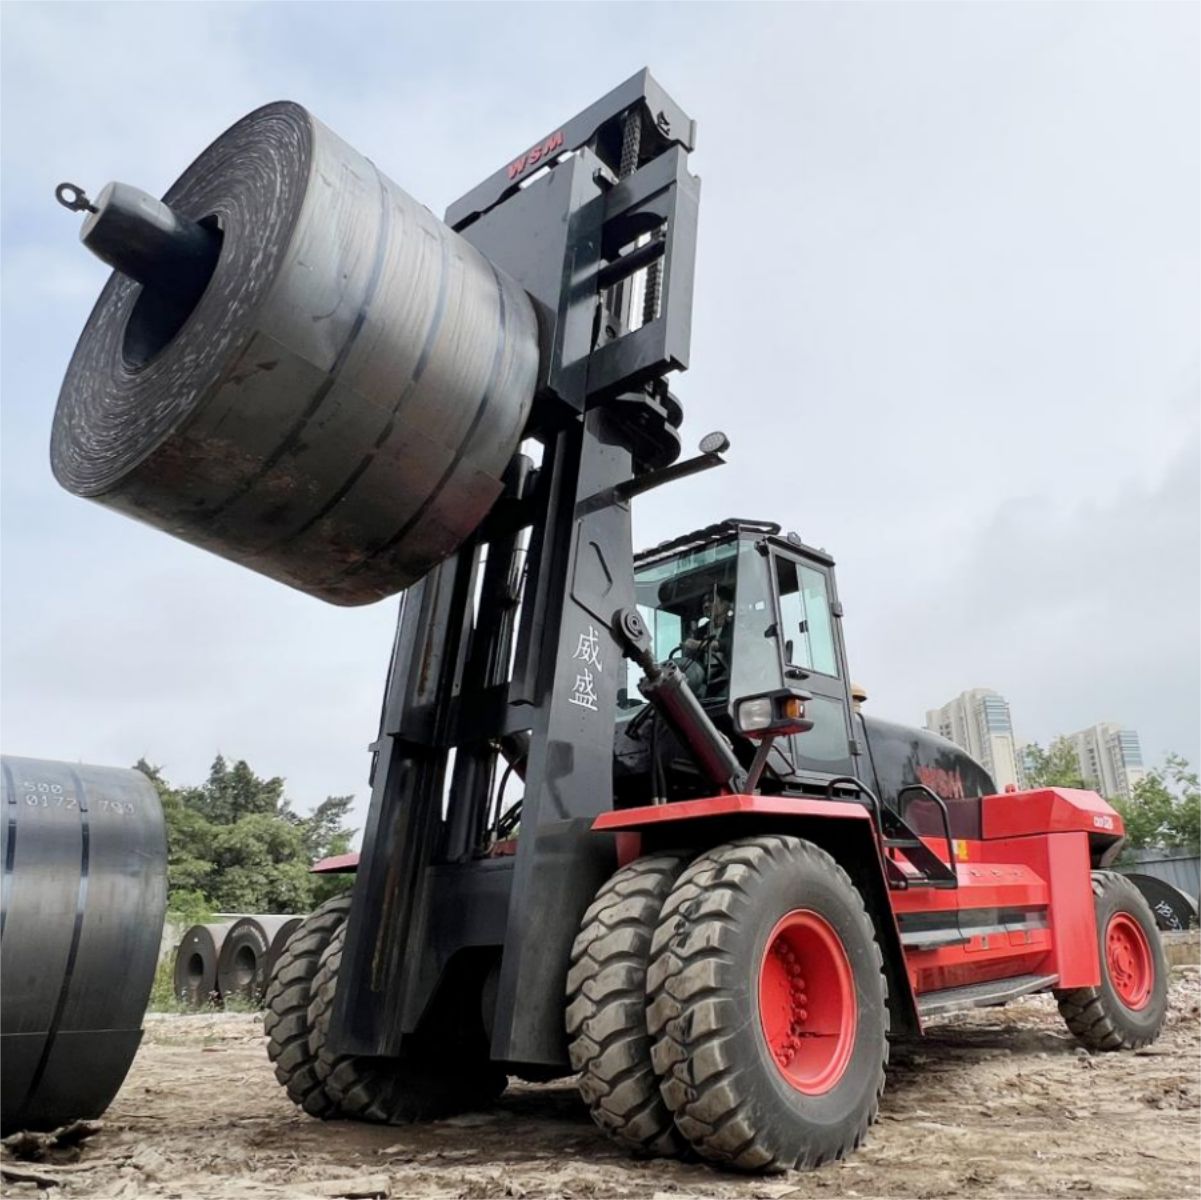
{"points": [[754, 714], [773, 714]]}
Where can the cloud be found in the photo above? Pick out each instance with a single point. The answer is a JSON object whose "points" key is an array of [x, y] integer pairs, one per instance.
{"points": [[1076, 612]]}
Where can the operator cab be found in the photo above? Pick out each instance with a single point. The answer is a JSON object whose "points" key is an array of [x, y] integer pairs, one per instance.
{"points": [[744, 610]]}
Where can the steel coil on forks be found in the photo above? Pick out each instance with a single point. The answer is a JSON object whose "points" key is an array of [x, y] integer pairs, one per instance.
{"points": [[332, 402]]}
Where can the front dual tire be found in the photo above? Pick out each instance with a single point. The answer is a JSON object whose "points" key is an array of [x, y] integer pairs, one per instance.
{"points": [[763, 1020], [449, 1071]]}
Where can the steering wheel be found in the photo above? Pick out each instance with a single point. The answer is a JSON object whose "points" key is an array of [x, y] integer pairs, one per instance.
{"points": [[680, 653]]}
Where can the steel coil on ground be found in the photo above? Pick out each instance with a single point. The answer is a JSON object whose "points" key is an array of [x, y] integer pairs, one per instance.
{"points": [[280, 939], [196, 964], [337, 408], [84, 893], [244, 962]]}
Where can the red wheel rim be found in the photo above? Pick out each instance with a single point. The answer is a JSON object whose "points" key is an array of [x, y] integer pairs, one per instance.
{"points": [[1128, 961], [807, 1006]]}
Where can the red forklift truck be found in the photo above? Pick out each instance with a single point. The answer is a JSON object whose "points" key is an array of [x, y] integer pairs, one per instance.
{"points": [[626, 820]]}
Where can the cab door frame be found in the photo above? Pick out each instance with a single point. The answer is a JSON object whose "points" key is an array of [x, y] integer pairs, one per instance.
{"points": [[831, 693]]}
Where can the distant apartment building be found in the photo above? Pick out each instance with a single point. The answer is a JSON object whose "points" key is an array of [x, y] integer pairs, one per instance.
{"points": [[978, 721], [1110, 758]]}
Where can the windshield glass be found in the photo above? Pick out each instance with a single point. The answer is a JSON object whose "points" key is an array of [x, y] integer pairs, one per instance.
{"points": [[688, 605]]}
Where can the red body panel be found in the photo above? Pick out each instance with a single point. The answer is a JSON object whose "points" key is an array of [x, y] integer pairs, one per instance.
{"points": [[1047, 810], [991, 953], [1062, 859], [728, 805], [1024, 904]]}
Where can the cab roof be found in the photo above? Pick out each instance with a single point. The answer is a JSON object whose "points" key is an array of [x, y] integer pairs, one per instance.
{"points": [[726, 530]]}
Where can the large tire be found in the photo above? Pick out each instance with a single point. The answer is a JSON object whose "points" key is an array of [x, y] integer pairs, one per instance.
{"points": [[606, 1007], [768, 1006], [286, 1020], [1127, 1009], [449, 1072]]}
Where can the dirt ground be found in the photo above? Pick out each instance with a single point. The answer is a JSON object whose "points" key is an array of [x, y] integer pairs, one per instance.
{"points": [[998, 1102]]}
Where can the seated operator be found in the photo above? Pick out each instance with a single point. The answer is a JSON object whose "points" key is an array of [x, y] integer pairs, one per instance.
{"points": [[710, 646]]}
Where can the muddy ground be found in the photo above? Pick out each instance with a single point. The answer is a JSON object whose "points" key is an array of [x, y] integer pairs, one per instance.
{"points": [[998, 1102]]}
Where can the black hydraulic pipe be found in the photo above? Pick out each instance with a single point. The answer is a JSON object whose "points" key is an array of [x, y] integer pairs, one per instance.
{"points": [[667, 689]]}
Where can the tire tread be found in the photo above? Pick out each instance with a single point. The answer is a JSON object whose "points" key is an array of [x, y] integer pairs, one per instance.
{"points": [[285, 1019], [606, 1008], [390, 1091], [695, 939], [1087, 1011]]}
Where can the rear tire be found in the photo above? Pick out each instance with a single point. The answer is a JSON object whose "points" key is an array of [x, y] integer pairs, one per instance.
{"points": [[1126, 1010], [286, 1021], [768, 1006], [449, 1072], [606, 1008]]}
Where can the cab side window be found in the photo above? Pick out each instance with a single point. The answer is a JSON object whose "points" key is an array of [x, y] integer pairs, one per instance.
{"points": [[807, 631]]}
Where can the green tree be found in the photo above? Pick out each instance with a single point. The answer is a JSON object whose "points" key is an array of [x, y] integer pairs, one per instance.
{"points": [[189, 843], [326, 887], [234, 844], [231, 793], [1057, 766], [1164, 808], [189, 907], [325, 835], [322, 831]]}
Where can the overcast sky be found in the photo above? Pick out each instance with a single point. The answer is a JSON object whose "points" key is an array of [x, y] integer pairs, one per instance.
{"points": [[946, 309]]}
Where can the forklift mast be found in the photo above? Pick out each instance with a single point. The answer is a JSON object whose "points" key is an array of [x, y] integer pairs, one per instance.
{"points": [[512, 641]]}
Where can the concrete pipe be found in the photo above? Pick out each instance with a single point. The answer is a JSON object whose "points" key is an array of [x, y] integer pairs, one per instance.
{"points": [[295, 365], [244, 963], [196, 964], [84, 894]]}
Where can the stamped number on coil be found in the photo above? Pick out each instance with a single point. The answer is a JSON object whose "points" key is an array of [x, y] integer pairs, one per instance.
{"points": [[54, 795]]}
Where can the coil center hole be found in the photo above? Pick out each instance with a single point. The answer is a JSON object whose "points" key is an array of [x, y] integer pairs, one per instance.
{"points": [[160, 312], [244, 965]]}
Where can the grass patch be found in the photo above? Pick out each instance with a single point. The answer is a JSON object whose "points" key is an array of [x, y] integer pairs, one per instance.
{"points": [[162, 990], [163, 998]]}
